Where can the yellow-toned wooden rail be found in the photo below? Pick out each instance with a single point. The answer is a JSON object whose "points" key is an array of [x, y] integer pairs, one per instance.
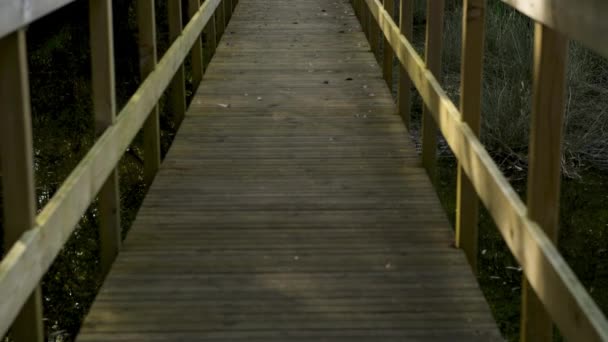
{"points": [[551, 291], [33, 241]]}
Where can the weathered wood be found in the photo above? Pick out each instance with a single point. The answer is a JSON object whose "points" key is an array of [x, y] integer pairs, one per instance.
{"points": [[177, 90], [38, 247], [564, 297], [284, 209], [146, 24], [104, 107], [545, 156], [467, 203], [196, 55], [18, 186], [220, 21], [406, 25], [373, 37], [387, 64], [211, 41], [432, 58]]}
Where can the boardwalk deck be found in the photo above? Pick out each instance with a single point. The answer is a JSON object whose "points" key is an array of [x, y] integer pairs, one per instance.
{"points": [[291, 206]]}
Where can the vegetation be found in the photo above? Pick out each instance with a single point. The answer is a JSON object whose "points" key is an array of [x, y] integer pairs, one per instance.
{"points": [[63, 133]]}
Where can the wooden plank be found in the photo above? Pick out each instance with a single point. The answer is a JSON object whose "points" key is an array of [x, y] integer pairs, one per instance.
{"points": [[177, 90], [387, 64], [196, 55], [545, 156], [432, 56], [18, 186], [104, 107], [38, 247], [406, 25], [564, 297], [146, 24], [467, 203]]}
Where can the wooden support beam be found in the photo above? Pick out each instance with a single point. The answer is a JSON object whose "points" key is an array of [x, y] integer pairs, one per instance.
{"points": [[373, 38], [404, 96], [196, 55], [177, 96], [146, 24], [545, 155], [387, 64], [434, 37], [18, 186], [467, 203], [104, 107], [220, 21], [210, 41]]}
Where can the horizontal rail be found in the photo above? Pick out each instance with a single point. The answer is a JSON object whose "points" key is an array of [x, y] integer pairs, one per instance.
{"points": [[572, 309], [30, 257], [16, 14], [581, 20]]}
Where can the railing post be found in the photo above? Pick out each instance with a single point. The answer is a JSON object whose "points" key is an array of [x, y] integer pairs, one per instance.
{"points": [[220, 20], [146, 24], [374, 32], [406, 25], [364, 18], [178, 84], [18, 169], [544, 173], [387, 65], [467, 203], [210, 40], [104, 107], [434, 36], [196, 55]]}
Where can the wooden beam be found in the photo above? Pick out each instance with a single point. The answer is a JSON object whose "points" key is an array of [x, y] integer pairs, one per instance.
{"points": [[467, 203], [18, 186], [404, 96], [545, 155], [220, 21], [564, 297], [374, 33], [104, 107], [177, 92], [38, 246], [196, 55], [17, 14], [432, 53], [387, 64], [211, 41], [146, 24]]}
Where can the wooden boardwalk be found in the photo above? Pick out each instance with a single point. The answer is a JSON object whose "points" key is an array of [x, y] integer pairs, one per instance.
{"points": [[291, 206]]}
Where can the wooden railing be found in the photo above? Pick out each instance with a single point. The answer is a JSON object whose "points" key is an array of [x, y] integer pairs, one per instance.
{"points": [[551, 292], [34, 240]]}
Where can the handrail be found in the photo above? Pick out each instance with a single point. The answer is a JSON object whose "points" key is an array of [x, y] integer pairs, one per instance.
{"points": [[17, 14], [557, 287], [31, 255]]}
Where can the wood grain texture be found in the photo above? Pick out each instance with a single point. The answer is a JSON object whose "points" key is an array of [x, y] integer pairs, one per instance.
{"points": [[291, 205]]}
